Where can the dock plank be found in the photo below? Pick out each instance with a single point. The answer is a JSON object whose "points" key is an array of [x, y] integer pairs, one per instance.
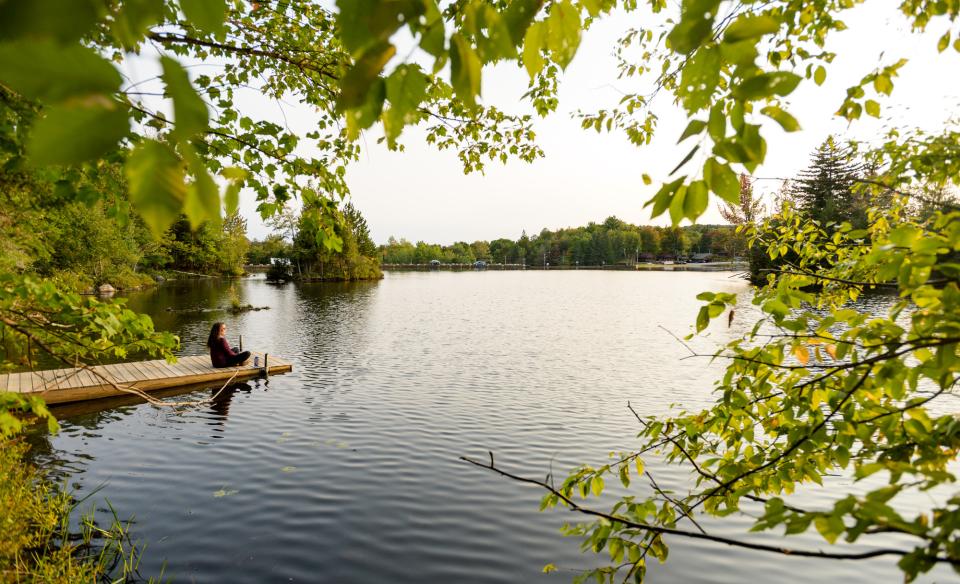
{"points": [[130, 372], [155, 369], [25, 384], [87, 379], [187, 364], [69, 378], [47, 380], [106, 375], [72, 385]]}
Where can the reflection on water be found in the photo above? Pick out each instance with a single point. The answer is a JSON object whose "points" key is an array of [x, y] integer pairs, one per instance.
{"points": [[346, 469]]}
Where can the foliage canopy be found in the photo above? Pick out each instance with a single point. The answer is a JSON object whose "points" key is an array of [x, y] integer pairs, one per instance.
{"points": [[817, 387]]}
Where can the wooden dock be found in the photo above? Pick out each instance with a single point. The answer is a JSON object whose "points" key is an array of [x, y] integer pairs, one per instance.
{"points": [[57, 386]]}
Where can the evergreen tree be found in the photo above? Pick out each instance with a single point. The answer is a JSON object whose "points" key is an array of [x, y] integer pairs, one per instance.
{"points": [[361, 231], [824, 191], [357, 258]]}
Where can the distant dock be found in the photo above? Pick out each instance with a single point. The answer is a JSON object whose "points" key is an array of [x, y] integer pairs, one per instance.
{"points": [[57, 386]]}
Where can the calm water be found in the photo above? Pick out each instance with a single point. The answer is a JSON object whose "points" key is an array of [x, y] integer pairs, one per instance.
{"points": [[347, 469]]}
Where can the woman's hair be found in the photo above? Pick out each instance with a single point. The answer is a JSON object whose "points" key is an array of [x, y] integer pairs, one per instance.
{"points": [[214, 334]]}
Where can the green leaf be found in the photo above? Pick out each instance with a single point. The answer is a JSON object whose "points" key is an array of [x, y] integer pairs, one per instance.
{"points": [[661, 200], [534, 41], [883, 84], [369, 24], [596, 486], [722, 180], [62, 20], [69, 134], [464, 70], [519, 15], [872, 108], [749, 26], [693, 128], [685, 160], [819, 75], [45, 70], [754, 146], [732, 150], [695, 26], [786, 121], [944, 42], [231, 195], [699, 79], [207, 15], [406, 88], [743, 53], [365, 115], [766, 84], [677, 205], [365, 71], [497, 42], [433, 36], [189, 111], [563, 32], [157, 184], [829, 526], [133, 20], [201, 203], [717, 124], [695, 202]]}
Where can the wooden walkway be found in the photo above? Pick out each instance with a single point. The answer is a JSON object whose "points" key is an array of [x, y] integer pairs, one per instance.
{"points": [[57, 386]]}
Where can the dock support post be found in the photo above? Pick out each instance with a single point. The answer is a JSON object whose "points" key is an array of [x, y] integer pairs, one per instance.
{"points": [[241, 343], [266, 364]]}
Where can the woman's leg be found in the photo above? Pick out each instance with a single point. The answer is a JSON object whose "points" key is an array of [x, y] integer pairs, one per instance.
{"points": [[238, 359]]}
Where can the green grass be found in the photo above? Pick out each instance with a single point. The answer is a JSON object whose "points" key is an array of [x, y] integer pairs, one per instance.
{"points": [[37, 544]]}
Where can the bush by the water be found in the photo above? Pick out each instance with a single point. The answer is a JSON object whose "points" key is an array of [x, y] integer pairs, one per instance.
{"points": [[278, 272], [37, 545]]}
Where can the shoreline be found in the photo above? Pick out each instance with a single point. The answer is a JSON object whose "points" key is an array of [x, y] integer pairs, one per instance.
{"points": [[650, 267]]}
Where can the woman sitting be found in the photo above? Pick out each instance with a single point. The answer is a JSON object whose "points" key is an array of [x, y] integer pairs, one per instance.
{"points": [[220, 352]]}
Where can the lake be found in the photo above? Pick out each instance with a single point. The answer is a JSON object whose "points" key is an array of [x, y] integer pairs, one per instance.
{"points": [[347, 469]]}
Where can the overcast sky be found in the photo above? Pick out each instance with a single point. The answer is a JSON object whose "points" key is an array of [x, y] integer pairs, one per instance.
{"points": [[422, 194]]}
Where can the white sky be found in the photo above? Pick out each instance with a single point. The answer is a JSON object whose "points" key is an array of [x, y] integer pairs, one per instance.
{"points": [[422, 194]]}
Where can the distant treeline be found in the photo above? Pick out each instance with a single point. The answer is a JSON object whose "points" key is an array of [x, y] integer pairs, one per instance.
{"points": [[612, 242]]}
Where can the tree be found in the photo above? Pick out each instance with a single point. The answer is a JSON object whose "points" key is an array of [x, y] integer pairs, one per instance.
{"points": [[356, 258], [272, 246], [481, 250], [747, 210], [777, 423], [825, 190], [360, 229], [398, 252], [673, 242]]}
